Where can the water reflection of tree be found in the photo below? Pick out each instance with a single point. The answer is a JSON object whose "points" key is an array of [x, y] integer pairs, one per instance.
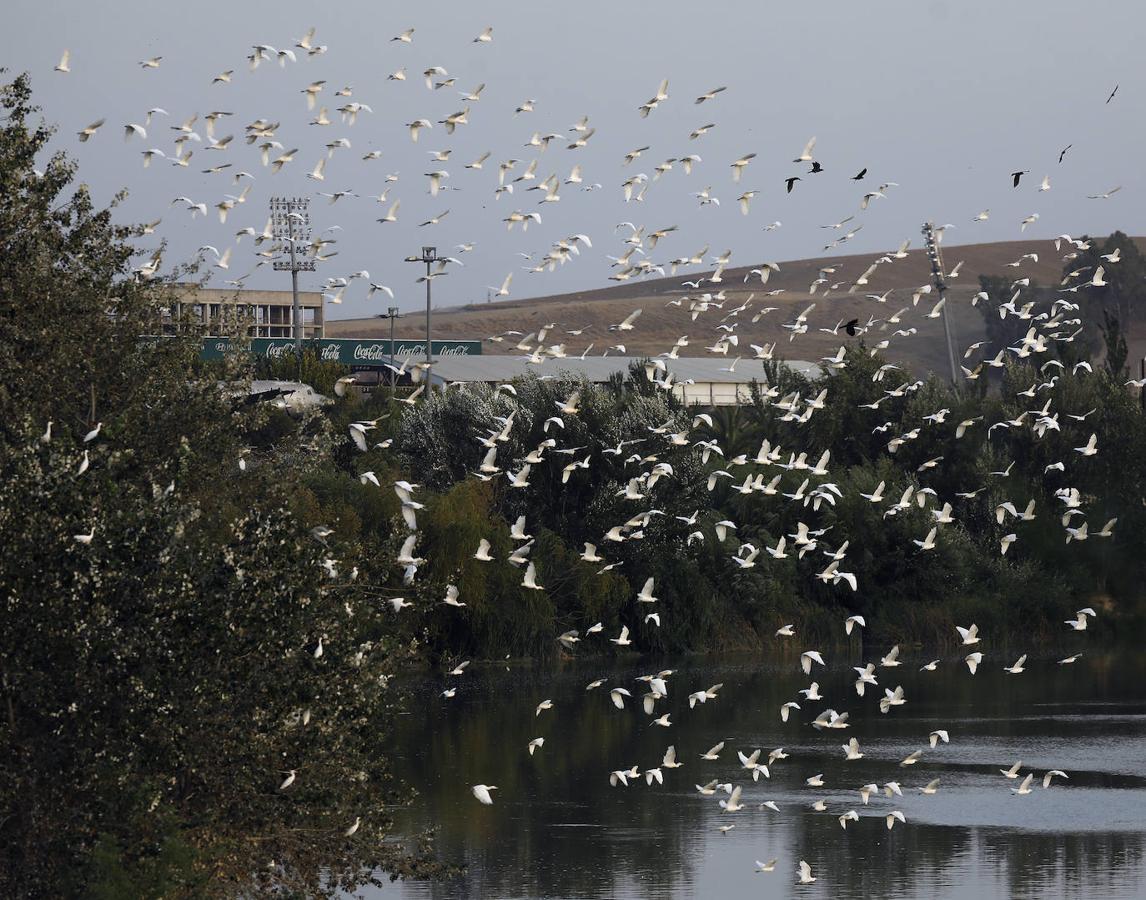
{"points": [[1090, 864], [586, 737], [558, 829]]}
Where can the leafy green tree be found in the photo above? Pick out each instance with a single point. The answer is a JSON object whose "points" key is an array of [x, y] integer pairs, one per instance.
{"points": [[1109, 312], [1124, 293], [1005, 328], [163, 605], [1114, 337]]}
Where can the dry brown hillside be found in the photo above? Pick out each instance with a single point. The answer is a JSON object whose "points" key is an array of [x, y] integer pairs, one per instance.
{"points": [[660, 324]]}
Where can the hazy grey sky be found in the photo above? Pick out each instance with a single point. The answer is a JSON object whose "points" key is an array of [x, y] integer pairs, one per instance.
{"points": [[945, 98]]}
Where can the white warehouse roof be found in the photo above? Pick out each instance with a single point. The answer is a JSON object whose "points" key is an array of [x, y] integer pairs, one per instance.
{"points": [[711, 383]]}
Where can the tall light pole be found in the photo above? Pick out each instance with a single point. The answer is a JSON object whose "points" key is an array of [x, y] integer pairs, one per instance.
{"points": [[931, 245], [429, 256], [290, 223], [392, 314]]}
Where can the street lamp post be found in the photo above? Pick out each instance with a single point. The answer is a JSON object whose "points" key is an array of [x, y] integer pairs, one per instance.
{"points": [[429, 256], [290, 222], [392, 314]]}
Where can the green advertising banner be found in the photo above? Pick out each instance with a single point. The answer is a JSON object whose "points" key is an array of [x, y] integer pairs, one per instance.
{"points": [[347, 351]]}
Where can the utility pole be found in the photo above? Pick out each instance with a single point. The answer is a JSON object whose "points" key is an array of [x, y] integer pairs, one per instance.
{"points": [[290, 222], [392, 314], [429, 256], [931, 244]]}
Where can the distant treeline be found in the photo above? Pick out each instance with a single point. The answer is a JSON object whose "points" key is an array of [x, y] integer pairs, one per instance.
{"points": [[706, 599]]}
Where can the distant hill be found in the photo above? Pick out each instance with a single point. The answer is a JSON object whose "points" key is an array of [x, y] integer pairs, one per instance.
{"points": [[660, 325]]}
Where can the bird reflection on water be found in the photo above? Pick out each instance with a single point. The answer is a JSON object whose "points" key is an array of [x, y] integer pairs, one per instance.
{"points": [[558, 829]]}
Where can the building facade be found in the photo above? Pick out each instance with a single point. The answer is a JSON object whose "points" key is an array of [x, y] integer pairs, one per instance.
{"points": [[264, 314]]}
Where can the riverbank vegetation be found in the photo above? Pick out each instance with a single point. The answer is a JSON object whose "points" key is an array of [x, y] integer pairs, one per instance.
{"points": [[706, 599]]}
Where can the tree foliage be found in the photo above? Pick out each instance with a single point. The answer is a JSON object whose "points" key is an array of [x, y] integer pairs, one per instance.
{"points": [[706, 599], [160, 676]]}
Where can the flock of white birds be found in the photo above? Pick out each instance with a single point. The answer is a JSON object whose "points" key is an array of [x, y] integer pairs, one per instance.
{"points": [[1048, 323]]}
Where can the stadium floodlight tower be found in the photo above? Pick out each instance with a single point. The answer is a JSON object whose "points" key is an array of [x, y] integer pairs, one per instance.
{"points": [[290, 225], [931, 245]]}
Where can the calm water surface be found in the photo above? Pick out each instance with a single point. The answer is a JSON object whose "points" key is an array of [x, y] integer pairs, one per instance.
{"points": [[558, 829]]}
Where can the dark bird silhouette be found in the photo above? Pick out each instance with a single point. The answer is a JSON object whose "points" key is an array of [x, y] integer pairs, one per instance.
{"points": [[1112, 93], [791, 181], [851, 327], [862, 173], [1063, 152], [1015, 176], [816, 168]]}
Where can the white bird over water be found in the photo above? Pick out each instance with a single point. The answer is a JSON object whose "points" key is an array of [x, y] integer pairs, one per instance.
{"points": [[530, 579], [851, 621], [805, 871], [938, 735], [1090, 448], [912, 758], [646, 593], [732, 804], [1017, 667], [482, 792], [1025, 787], [1047, 777]]}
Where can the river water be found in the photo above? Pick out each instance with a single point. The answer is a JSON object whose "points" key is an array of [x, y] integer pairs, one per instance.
{"points": [[558, 829]]}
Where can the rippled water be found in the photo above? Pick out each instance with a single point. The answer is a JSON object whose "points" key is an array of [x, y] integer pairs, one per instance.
{"points": [[557, 828]]}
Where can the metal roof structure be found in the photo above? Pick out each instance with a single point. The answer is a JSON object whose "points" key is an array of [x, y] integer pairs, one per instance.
{"points": [[698, 381], [700, 370]]}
